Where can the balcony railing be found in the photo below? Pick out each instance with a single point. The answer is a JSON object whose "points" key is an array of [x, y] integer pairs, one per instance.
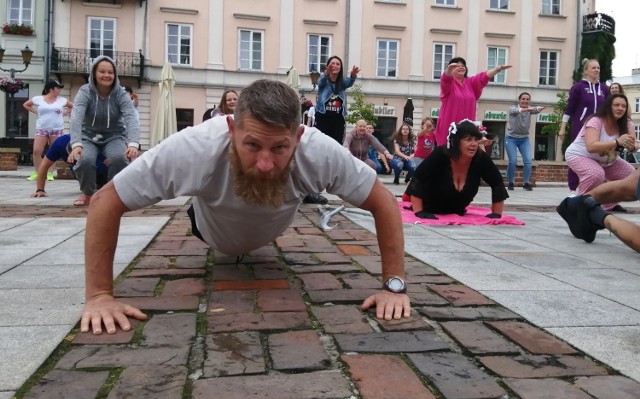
{"points": [[79, 61]]}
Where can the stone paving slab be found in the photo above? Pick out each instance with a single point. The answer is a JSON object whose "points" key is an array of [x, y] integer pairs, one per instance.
{"points": [[234, 343], [583, 291], [42, 284], [260, 337]]}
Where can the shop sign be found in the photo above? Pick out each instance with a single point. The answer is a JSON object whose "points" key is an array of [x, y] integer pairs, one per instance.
{"points": [[384, 110], [495, 116], [545, 118], [598, 22], [435, 112]]}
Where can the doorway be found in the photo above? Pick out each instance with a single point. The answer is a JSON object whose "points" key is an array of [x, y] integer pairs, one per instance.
{"points": [[384, 130]]}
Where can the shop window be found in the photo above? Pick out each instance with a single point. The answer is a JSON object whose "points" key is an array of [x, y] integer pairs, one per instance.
{"points": [[184, 117], [544, 146], [495, 131]]}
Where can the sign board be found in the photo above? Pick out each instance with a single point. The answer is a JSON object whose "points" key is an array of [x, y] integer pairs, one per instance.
{"points": [[545, 118], [598, 22], [435, 112], [495, 116], [384, 110]]}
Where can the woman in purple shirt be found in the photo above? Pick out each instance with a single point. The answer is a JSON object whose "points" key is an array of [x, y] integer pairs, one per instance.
{"points": [[585, 97]]}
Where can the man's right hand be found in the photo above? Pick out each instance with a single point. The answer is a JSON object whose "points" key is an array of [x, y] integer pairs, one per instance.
{"points": [[106, 310]]}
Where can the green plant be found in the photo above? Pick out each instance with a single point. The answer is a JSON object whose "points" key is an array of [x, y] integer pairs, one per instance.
{"points": [[359, 109], [556, 120], [598, 46]]}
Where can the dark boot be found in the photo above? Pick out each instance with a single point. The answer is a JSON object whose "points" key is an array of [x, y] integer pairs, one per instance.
{"points": [[396, 180]]}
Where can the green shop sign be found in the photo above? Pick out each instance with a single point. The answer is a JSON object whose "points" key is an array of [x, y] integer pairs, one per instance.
{"points": [[545, 118], [495, 116], [435, 112]]}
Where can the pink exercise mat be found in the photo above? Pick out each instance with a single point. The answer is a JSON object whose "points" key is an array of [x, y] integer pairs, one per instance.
{"points": [[475, 216]]}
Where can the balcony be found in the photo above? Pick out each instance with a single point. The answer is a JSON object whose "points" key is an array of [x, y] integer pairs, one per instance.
{"points": [[78, 61]]}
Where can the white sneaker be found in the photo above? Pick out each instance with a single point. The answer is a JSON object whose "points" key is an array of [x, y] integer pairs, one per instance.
{"points": [[571, 194]]}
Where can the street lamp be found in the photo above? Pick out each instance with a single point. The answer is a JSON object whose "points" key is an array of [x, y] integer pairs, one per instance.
{"points": [[27, 53]]}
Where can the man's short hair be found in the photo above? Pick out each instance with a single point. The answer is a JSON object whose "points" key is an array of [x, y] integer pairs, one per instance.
{"points": [[270, 102]]}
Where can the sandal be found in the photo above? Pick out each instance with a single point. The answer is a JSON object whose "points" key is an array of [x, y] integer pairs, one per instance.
{"points": [[83, 200]]}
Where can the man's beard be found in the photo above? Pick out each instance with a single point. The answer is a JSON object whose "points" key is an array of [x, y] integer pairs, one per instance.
{"points": [[258, 188]]}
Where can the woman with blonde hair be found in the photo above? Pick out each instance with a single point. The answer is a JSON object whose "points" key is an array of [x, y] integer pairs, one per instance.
{"points": [[585, 97], [358, 142]]}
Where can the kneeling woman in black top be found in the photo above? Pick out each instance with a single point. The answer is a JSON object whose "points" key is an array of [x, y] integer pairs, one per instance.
{"points": [[447, 180]]}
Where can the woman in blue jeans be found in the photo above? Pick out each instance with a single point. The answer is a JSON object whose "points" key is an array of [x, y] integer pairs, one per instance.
{"points": [[404, 144], [517, 139]]}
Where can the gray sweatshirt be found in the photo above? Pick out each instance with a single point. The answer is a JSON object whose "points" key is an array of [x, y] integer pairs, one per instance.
{"points": [[102, 119], [519, 122]]}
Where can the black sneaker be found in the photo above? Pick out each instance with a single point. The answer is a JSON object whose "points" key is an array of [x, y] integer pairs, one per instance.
{"points": [[585, 226], [568, 210], [510, 186], [315, 198], [527, 187]]}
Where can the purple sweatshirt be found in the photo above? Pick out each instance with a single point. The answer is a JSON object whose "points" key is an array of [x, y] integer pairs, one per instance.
{"points": [[584, 99]]}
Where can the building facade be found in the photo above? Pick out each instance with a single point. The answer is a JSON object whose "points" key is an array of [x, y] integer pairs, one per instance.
{"points": [[402, 47]]}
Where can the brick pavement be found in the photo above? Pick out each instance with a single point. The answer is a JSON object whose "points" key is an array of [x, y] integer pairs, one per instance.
{"points": [[285, 323]]}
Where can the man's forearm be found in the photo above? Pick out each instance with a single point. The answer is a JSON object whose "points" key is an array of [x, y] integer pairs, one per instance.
{"points": [[101, 239], [389, 231]]}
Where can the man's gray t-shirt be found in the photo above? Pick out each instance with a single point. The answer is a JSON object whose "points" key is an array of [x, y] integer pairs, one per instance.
{"points": [[194, 162]]}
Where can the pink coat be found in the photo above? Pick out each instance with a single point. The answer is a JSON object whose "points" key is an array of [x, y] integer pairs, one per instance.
{"points": [[458, 101]]}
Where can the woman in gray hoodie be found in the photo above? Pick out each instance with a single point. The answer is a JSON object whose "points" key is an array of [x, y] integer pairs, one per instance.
{"points": [[103, 121]]}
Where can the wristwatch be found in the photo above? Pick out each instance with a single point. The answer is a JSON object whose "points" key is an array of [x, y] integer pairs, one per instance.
{"points": [[395, 285]]}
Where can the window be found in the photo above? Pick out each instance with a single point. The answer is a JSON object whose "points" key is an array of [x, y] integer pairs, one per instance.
{"points": [[636, 128], [548, 68], [179, 44], [184, 118], [637, 104], [102, 33], [450, 3], [551, 7], [502, 5], [20, 12], [442, 54], [497, 56], [319, 49], [387, 59], [250, 50]]}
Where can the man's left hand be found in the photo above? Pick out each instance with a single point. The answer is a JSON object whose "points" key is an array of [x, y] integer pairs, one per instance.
{"points": [[388, 305]]}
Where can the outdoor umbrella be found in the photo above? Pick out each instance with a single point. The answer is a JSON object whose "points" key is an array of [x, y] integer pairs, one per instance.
{"points": [[165, 121], [293, 79], [407, 113]]}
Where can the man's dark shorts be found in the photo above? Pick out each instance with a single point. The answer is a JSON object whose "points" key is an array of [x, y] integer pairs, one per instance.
{"points": [[194, 227]]}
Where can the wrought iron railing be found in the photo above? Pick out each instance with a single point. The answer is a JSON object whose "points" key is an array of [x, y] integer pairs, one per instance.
{"points": [[74, 60]]}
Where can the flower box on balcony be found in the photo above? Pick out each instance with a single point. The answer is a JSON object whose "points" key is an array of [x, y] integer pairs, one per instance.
{"points": [[17, 29]]}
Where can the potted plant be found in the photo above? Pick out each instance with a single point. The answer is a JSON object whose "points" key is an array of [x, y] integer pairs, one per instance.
{"points": [[11, 85], [17, 29]]}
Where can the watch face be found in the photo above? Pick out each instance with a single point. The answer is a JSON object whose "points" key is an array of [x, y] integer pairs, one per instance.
{"points": [[395, 284]]}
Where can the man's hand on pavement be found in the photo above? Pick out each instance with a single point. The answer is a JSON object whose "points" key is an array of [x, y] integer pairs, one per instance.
{"points": [[388, 305], [106, 310]]}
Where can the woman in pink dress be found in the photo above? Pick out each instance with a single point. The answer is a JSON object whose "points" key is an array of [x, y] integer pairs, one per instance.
{"points": [[459, 94]]}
